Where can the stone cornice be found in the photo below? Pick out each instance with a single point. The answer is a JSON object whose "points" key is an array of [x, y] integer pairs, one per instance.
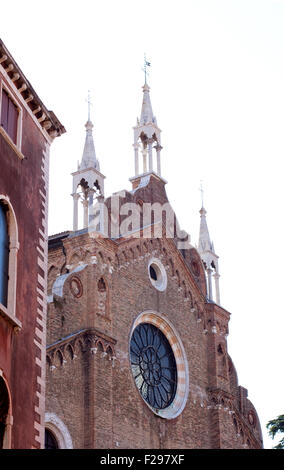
{"points": [[46, 119]]}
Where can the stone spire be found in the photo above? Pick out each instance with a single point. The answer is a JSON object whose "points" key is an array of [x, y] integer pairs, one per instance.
{"points": [[209, 257], [147, 136], [147, 116], [204, 243], [89, 159], [88, 181]]}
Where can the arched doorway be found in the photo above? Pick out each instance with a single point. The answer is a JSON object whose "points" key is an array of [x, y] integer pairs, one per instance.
{"points": [[4, 408], [50, 440]]}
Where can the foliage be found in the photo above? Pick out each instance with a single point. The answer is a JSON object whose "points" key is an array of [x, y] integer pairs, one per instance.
{"points": [[274, 426]]}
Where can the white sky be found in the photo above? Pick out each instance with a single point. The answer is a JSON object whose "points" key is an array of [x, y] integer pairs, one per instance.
{"points": [[217, 90]]}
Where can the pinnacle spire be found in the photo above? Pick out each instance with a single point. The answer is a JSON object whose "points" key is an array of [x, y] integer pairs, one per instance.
{"points": [[147, 116], [147, 136], [208, 256], [89, 159], [204, 243]]}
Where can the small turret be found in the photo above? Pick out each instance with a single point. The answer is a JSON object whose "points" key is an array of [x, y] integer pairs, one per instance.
{"points": [[209, 257]]}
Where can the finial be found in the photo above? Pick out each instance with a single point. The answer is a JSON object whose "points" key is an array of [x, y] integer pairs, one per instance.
{"points": [[202, 193], [146, 64], [89, 105]]}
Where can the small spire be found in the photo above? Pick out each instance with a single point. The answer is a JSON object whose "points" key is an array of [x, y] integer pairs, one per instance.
{"points": [[89, 159], [204, 237], [146, 111], [208, 255]]}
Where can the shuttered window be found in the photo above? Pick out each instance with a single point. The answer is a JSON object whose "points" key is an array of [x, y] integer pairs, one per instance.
{"points": [[9, 116], [4, 255]]}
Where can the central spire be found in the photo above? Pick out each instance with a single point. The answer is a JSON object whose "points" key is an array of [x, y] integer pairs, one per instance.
{"points": [[146, 111], [147, 133]]}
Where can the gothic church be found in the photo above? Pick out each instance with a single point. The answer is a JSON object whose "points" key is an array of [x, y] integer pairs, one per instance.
{"points": [[136, 334]]}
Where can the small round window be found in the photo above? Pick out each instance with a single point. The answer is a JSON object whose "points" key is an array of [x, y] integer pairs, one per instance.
{"points": [[153, 366], [157, 274]]}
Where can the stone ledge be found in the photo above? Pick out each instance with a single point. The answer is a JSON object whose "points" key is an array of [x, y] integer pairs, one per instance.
{"points": [[10, 318]]}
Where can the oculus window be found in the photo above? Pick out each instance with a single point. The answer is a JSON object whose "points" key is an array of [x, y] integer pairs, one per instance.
{"points": [[153, 366]]}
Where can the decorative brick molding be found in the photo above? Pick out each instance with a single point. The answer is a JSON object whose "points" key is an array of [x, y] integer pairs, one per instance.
{"points": [[90, 339], [221, 400]]}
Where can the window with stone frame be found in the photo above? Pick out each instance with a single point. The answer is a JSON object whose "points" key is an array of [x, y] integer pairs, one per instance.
{"points": [[9, 116]]}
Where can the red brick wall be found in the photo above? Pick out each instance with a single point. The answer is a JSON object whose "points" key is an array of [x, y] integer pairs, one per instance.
{"points": [[117, 415]]}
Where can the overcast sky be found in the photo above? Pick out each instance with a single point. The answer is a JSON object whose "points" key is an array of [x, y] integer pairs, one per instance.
{"points": [[217, 90]]}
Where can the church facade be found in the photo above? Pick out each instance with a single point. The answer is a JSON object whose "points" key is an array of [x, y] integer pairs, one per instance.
{"points": [[137, 351]]}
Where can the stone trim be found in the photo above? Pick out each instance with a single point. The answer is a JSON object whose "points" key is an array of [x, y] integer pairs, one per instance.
{"points": [[59, 429], [40, 326]]}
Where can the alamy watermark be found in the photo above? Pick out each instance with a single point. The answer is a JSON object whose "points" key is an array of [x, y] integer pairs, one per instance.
{"points": [[116, 219]]}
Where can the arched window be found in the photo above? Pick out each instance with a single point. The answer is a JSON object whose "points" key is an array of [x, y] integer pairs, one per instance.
{"points": [[4, 408], [4, 254], [9, 247], [50, 441]]}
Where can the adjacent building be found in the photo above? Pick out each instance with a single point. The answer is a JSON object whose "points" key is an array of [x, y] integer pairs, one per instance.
{"points": [[27, 130]]}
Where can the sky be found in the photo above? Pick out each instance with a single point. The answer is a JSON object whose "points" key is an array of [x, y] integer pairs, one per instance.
{"points": [[217, 91]]}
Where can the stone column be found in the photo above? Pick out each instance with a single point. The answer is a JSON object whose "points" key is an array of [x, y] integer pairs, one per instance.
{"points": [[150, 155], [76, 197], [85, 203], [91, 193], [158, 150], [136, 160], [209, 278], [217, 288], [144, 153]]}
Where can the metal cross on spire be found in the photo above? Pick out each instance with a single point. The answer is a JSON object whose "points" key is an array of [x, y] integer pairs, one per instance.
{"points": [[146, 64], [202, 192], [89, 105]]}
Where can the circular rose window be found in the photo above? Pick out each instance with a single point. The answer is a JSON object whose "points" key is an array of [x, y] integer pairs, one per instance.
{"points": [[158, 364], [153, 366]]}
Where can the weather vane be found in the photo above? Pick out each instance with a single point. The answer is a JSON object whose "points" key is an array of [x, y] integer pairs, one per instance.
{"points": [[146, 64]]}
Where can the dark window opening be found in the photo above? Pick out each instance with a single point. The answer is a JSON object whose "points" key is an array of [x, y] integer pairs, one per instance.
{"points": [[153, 366], [153, 273], [9, 116], [101, 285], [50, 440], [4, 407]]}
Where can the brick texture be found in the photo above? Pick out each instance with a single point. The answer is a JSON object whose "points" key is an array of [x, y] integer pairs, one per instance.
{"points": [[90, 386]]}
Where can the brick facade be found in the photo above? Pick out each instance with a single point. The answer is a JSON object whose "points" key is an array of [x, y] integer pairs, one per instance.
{"points": [[90, 386]]}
